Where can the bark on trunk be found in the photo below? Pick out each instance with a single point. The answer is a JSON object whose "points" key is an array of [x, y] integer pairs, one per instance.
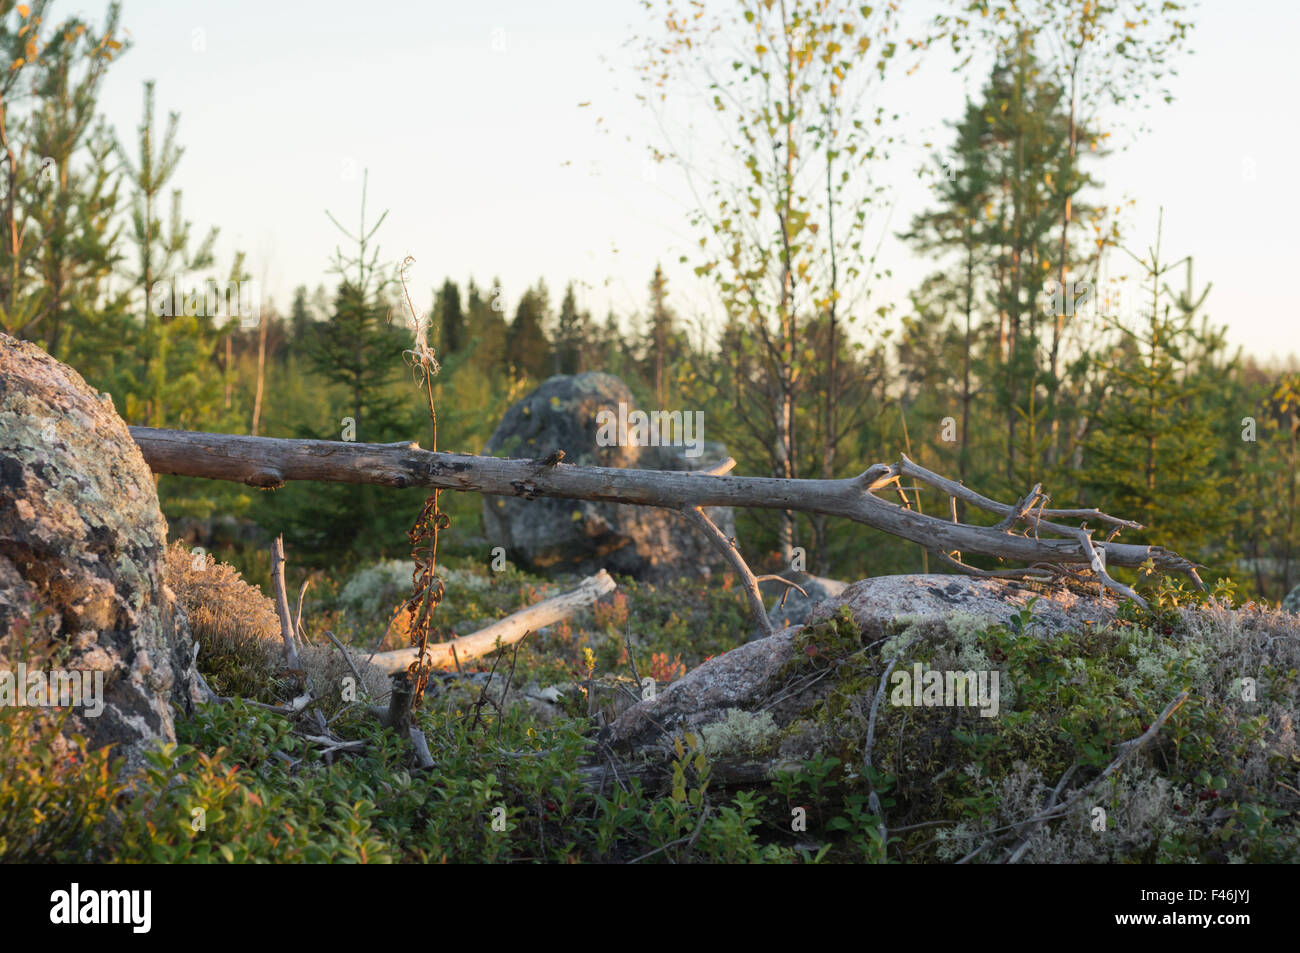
{"points": [[507, 631], [270, 462]]}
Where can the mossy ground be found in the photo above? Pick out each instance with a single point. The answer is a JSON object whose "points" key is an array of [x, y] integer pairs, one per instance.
{"points": [[1218, 784]]}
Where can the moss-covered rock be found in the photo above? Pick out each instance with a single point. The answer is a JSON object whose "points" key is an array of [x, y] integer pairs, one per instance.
{"points": [[581, 536], [900, 607], [1219, 780], [81, 554]]}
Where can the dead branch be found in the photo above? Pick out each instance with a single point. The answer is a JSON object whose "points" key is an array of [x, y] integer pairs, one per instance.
{"points": [[269, 462], [1127, 750], [510, 677], [291, 659], [347, 657], [873, 797], [1051, 803], [331, 744], [505, 631], [784, 592], [783, 581], [398, 714], [421, 745], [728, 546], [298, 631]]}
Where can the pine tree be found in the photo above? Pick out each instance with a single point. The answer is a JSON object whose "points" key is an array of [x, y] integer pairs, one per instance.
{"points": [[165, 263], [527, 347], [1270, 495], [1151, 452], [572, 334], [485, 328], [962, 190], [56, 211], [1029, 135], [997, 217], [80, 255], [300, 316], [359, 352], [357, 348], [662, 345], [611, 352], [449, 319]]}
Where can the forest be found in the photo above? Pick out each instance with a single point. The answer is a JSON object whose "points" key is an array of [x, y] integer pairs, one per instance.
{"points": [[1013, 363], [1046, 348]]}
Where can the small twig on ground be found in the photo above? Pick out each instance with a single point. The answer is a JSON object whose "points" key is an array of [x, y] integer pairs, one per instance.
{"points": [[873, 799], [973, 854], [1126, 750], [788, 586], [299, 632], [347, 657], [627, 647], [483, 697], [699, 829], [505, 696], [292, 661], [333, 744], [1051, 803]]}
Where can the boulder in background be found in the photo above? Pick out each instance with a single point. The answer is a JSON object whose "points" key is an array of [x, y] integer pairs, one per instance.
{"points": [[582, 536]]}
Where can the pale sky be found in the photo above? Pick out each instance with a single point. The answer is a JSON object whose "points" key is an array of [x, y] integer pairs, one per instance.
{"points": [[466, 116]]}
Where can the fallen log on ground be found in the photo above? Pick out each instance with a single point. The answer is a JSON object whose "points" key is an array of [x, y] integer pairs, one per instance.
{"points": [[505, 631], [270, 462]]}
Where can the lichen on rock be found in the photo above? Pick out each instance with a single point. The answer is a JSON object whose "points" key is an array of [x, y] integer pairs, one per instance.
{"points": [[944, 614], [584, 536], [81, 550]]}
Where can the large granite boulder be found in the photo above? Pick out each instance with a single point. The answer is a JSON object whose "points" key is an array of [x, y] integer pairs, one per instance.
{"points": [[934, 596], [754, 677], [82, 545], [549, 535]]}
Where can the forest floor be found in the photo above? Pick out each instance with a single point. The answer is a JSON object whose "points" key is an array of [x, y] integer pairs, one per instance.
{"points": [[520, 775]]}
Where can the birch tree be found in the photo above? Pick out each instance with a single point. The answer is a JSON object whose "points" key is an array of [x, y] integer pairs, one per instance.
{"points": [[783, 197]]}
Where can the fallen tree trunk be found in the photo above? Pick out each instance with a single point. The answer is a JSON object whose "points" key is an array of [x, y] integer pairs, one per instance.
{"points": [[270, 462], [506, 631]]}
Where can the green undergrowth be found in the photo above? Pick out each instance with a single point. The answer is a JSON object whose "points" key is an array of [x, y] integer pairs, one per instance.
{"points": [[667, 629], [240, 787], [1217, 782]]}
